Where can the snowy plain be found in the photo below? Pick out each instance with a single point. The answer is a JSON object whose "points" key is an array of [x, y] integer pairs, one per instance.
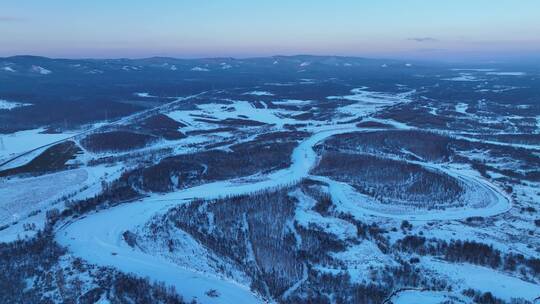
{"points": [[97, 236]]}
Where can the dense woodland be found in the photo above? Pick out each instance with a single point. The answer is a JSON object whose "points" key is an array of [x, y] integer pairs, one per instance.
{"points": [[262, 155], [116, 141], [260, 234], [390, 181], [51, 159]]}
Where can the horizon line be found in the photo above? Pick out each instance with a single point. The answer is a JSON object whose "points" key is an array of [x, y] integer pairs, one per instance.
{"points": [[509, 59]]}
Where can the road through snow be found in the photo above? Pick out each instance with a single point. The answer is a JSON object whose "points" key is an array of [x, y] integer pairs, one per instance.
{"points": [[26, 154], [480, 196]]}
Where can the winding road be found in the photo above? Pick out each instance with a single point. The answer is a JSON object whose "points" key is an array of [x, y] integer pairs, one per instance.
{"points": [[480, 196]]}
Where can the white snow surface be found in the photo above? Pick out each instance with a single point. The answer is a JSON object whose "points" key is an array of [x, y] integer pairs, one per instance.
{"points": [[238, 109], [462, 108], [427, 297], [19, 194], [475, 70], [102, 244], [199, 69], [23, 159], [464, 77], [187, 252], [23, 196], [368, 102], [484, 279], [507, 73], [8, 69], [144, 94], [97, 238], [225, 66], [40, 70], [259, 93], [293, 102], [19, 142], [9, 105]]}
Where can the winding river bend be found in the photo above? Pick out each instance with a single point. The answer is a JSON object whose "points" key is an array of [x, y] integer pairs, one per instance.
{"points": [[97, 237]]}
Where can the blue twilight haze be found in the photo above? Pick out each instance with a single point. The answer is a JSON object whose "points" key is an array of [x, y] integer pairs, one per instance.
{"points": [[457, 29]]}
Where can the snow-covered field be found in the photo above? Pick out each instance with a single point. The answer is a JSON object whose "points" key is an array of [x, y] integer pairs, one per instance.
{"points": [[368, 102], [464, 77], [40, 70], [259, 93], [199, 69], [428, 297], [462, 108], [9, 105], [243, 193], [237, 110], [25, 200], [19, 194], [499, 284], [16, 143], [144, 95], [507, 73], [97, 237]]}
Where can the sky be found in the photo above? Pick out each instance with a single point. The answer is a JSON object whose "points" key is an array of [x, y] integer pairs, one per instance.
{"points": [[418, 29]]}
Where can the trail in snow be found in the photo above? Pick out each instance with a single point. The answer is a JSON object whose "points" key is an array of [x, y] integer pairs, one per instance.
{"points": [[480, 196], [349, 200]]}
